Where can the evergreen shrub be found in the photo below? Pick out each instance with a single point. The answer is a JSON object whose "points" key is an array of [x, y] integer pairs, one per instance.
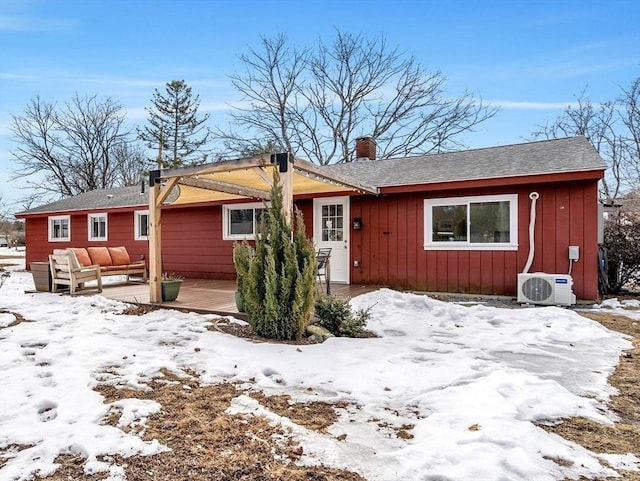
{"points": [[279, 288], [335, 315]]}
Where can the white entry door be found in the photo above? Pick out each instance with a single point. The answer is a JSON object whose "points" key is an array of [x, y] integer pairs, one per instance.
{"points": [[331, 229]]}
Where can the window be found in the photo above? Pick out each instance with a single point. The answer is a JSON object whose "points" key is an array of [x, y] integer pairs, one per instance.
{"points": [[467, 223], [332, 222], [241, 221], [97, 227], [141, 225], [60, 228]]}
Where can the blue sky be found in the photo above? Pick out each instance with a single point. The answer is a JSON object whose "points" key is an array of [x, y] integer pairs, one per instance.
{"points": [[529, 58]]}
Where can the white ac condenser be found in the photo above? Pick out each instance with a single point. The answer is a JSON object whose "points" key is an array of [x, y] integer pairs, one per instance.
{"points": [[546, 289]]}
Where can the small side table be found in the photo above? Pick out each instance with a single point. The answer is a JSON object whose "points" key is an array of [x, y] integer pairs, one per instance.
{"points": [[41, 276]]}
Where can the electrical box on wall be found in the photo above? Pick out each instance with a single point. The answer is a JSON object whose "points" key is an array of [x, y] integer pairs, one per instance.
{"points": [[574, 253]]}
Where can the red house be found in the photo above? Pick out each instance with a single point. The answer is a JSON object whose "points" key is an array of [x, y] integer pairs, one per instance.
{"points": [[450, 222]]}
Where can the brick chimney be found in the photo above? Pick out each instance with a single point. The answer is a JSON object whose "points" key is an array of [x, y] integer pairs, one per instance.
{"points": [[365, 148]]}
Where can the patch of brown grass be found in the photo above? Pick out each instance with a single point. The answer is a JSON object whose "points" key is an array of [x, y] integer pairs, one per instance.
{"points": [[312, 415], [138, 309], [209, 444], [622, 437], [19, 318], [10, 451], [619, 438], [626, 377]]}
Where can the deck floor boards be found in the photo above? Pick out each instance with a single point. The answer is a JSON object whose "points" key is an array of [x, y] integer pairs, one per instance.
{"points": [[206, 295]]}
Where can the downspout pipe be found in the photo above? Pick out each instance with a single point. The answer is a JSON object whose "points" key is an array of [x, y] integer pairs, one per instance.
{"points": [[532, 227]]}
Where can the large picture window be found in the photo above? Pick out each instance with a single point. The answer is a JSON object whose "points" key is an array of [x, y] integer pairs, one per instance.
{"points": [[481, 223], [97, 227], [141, 225], [60, 228], [241, 221]]}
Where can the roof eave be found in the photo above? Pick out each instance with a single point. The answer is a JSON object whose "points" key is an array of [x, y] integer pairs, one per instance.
{"points": [[592, 174]]}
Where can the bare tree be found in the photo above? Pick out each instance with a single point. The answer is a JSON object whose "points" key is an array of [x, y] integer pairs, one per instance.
{"points": [[4, 213], [73, 149], [630, 117], [270, 85], [6, 223], [613, 128], [132, 157], [316, 102]]}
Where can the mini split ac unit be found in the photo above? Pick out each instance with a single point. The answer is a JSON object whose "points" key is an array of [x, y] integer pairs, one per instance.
{"points": [[546, 289]]}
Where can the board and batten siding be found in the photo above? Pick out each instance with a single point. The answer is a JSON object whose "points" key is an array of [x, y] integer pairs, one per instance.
{"points": [[192, 244], [389, 248], [120, 227]]}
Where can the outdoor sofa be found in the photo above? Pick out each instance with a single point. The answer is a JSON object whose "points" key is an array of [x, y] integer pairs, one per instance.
{"points": [[75, 266], [113, 261]]}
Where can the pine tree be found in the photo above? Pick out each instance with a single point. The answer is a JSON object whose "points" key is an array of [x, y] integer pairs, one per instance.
{"points": [[279, 289], [175, 129]]}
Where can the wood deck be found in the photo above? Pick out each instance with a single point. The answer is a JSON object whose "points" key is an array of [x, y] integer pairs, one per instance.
{"points": [[206, 295]]}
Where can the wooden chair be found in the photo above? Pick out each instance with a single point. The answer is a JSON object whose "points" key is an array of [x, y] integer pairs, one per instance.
{"points": [[67, 271], [323, 256]]}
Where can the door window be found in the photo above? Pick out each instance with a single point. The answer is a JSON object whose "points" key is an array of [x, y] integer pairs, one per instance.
{"points": [[332, 222]]}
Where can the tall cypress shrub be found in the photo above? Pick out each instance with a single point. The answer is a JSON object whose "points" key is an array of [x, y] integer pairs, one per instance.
{"points": [[279, 289]]}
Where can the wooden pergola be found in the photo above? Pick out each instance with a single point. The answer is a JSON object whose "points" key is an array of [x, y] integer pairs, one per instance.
{"points": [[249, 178]]}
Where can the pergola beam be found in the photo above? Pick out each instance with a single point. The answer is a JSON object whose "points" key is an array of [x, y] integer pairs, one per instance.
{"points": [[315, 171], [263, 175], [225, 187], [258, 163], [222, 166]]}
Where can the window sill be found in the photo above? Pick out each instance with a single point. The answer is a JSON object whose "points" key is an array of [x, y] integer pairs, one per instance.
{"points": [[471, 247], [247, 237]]}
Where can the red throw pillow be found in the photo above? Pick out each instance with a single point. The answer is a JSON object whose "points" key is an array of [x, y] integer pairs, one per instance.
{"points": [[82, 255], [100, 255], [119, 256]]}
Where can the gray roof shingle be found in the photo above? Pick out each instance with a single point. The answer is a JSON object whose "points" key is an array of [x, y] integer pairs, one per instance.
{"points": [[573, 154], [97, 199]]}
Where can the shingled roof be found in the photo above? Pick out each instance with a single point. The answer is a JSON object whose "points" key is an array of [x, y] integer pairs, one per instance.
{"points": [[573, 154], [97, 199]]}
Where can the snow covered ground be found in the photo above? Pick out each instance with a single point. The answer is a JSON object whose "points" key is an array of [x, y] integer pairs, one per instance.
{"points": [[472, 380]]}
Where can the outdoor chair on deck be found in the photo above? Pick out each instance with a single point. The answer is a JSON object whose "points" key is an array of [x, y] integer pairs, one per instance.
{"points": [[67, 271], [324, 272]]}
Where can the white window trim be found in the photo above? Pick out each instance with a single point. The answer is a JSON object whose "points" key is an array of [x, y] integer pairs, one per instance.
{"points": [[50, 223], [90, 218], [136, 225], [512, 245], [226, 227]]}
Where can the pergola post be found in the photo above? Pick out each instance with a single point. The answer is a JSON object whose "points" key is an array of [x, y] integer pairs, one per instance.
{"points": [[285, 169], [155, 267], [157, 195]]}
